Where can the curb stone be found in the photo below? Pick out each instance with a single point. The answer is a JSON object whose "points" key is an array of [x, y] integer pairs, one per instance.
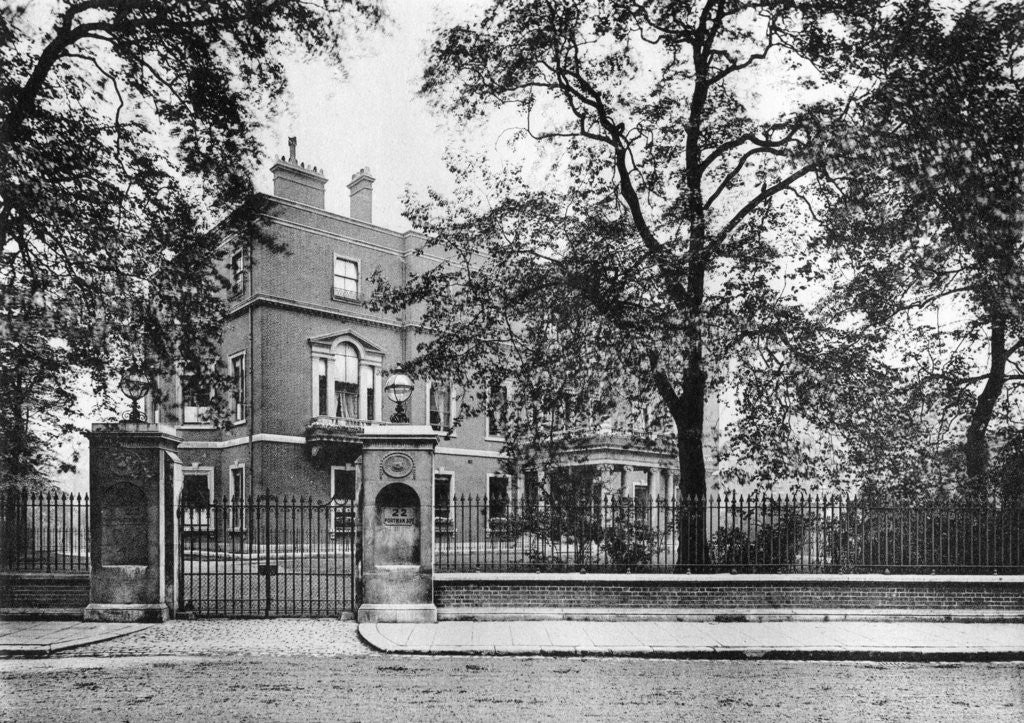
{"points": [[373, 637]]}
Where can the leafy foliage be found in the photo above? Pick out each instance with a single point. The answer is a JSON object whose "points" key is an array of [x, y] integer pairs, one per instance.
{"points": [[928, 212], [570, 510], [774, 545], [629, 539], [126, 128], [622, 279]]}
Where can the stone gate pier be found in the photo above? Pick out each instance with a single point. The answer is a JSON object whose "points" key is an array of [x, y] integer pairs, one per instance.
{"points": [[134, 480], [398, 524]]}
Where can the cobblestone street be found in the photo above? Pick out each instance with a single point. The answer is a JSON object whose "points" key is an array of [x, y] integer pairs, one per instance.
{"points": [[315, 670]]}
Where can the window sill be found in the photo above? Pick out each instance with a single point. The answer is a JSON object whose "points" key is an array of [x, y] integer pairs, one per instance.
{"points": [[196, 425], [239, 423], [358, 299], [488, 438]]}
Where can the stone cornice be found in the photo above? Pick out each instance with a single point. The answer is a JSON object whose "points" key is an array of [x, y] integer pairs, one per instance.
{"points": [[281, 303]]}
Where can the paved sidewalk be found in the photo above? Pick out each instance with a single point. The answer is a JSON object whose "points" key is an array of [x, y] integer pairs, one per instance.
{"points": [[791, 640], [44, 637], [278, 637], [843, 640]]}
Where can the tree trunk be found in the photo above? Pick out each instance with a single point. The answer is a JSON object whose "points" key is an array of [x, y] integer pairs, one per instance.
{"points": [[689, 419], [976, 447], [14, 461]]}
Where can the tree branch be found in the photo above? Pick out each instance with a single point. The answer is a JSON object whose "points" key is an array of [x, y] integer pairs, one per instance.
{"points": [[761, 198]]}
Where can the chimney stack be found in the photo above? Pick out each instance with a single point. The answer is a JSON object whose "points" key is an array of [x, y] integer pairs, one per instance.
{"points": [[361, 196], [295, 182]]}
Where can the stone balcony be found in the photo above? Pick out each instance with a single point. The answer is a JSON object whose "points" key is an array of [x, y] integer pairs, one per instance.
{"points": [[334, 440]]}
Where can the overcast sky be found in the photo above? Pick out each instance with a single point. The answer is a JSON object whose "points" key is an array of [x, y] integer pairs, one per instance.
{"points": [[371, 118]]}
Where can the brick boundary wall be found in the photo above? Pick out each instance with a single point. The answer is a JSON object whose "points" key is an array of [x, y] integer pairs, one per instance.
{"points": [[44, 590], [905, 592]]}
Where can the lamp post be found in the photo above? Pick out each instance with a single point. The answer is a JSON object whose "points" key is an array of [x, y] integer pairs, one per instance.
{"points": [[135, 385], [398, 389]]}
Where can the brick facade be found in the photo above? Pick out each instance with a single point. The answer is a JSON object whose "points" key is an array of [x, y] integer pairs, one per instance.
{"points": [[285, 308], [285, 316], [718, 592]]}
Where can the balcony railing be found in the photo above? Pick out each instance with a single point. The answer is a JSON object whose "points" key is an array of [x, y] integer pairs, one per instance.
{"points": [[335, 429], [348, 295]]}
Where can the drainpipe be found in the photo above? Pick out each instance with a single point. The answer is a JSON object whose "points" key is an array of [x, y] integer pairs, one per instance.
{"points": [[252, 377]]}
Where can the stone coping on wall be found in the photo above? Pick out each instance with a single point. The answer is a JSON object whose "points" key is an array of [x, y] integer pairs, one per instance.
{"points": [[37, 575], [675, 578], [730, 615]]}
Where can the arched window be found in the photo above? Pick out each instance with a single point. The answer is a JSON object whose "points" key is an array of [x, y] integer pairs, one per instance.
{"points": [[346, 382], [346, 377]]}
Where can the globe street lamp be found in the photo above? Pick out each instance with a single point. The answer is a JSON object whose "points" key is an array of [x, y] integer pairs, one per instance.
{"points": [[135, 385], [398, 389]]}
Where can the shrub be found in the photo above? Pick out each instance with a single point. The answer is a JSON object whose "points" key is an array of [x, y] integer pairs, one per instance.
{"points": [[630, 540], [775, 544]]}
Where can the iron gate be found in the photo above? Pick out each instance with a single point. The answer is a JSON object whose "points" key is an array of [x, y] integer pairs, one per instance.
{"points": [[266, 557]]}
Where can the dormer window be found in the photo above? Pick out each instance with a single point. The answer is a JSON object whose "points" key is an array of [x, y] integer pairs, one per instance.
{"points": [[346, 279]]}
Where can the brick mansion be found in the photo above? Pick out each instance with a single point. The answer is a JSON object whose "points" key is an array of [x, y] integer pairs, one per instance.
{"points": [[309, 361]]}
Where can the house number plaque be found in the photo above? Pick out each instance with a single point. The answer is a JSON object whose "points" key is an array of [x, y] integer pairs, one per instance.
{"points": [[398, 516]]}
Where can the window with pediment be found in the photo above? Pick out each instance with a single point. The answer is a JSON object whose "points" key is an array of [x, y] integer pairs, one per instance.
{"points": [[346, 377]]}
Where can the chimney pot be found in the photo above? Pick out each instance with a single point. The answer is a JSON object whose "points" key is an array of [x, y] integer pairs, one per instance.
{"points": [[295, 182]]}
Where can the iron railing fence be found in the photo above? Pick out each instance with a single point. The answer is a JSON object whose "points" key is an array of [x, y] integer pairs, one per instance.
{"points": [[268, 557], [44, 531], [49, 532], [740, 534]]}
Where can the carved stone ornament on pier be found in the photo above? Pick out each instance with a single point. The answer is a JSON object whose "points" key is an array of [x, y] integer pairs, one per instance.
{"points": [[396, 465]]}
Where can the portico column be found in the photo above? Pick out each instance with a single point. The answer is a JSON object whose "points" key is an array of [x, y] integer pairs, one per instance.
{"points": [[604, 476]]}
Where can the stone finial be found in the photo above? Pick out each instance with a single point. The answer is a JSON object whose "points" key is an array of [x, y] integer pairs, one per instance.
{"points": [[292, 142]]}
